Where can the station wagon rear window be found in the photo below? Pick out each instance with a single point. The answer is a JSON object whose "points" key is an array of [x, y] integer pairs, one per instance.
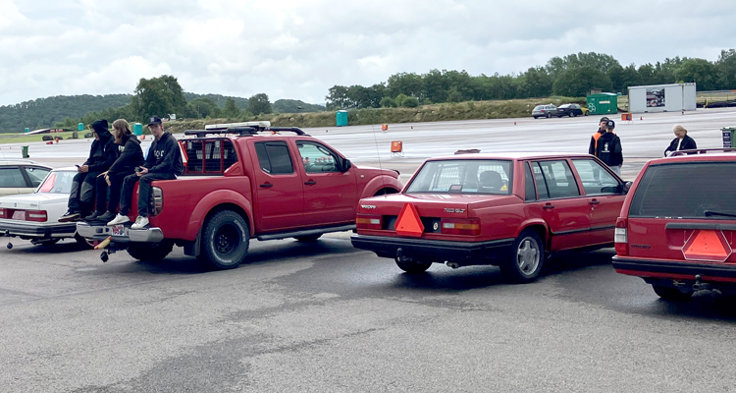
{"points": [[688, 190], [463, 177]]}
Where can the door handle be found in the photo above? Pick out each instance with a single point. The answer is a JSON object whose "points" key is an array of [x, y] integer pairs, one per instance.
{"points": [[266, 185], [310, 182], [548, 206], [594, 202]]}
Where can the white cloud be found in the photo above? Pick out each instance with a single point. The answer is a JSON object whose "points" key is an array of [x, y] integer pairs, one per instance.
{"points": [[299, 49]]}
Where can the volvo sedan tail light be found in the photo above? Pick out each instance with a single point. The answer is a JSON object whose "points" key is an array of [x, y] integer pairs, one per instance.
{"points": [[458, 226], [365, 221]]}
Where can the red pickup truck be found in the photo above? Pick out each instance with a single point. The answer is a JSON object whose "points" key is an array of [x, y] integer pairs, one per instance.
{"points": [[243, 181]]}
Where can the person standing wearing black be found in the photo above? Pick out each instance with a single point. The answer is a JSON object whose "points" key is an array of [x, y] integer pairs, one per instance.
{"points": [[592, 149], [130, 157], [609, 148], [681, 142], [102, 154], [163, 162]]}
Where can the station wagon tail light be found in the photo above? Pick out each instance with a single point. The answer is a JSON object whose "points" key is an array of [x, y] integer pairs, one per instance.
{"points": [[621, 237], [365, 221], [457, 226]]}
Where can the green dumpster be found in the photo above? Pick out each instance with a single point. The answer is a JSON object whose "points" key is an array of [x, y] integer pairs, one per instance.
{"points": [[341, 118], [602, 103], [25, 152]]}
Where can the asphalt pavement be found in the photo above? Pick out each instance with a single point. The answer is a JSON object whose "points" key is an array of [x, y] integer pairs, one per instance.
{"points": [[324, 316]]}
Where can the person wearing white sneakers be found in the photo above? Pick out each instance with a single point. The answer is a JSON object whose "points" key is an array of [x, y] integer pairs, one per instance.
{"points": [[163, 162]]}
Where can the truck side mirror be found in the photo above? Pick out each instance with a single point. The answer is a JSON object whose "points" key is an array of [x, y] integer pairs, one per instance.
{"points": [[345, 165]]}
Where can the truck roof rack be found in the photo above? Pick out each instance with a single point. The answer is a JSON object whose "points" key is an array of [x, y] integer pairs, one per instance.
{"points": [[249, 128]]}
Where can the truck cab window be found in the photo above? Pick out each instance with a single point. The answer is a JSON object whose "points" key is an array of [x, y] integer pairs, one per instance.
{"points": [[274, 157], [317, 158]]}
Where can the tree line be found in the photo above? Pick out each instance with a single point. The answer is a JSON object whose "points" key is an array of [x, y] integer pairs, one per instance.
{"points": [[160, 96], [574, 75]]}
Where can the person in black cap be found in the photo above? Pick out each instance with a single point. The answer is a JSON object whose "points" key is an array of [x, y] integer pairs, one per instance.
{"points": [[130, 157], [609, 148], [594, 139], [102, 154], [163, 162]]}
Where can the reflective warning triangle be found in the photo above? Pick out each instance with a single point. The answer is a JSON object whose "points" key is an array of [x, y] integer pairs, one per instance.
{"points": [[408, 222], [706, 244]]}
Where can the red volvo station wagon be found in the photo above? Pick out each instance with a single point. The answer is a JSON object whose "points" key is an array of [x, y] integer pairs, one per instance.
{"points": [[677, 228], [506, 209]]}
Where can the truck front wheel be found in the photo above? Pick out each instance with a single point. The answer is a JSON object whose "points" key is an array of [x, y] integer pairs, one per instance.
{"points": [[225, 240], [150, 252]]}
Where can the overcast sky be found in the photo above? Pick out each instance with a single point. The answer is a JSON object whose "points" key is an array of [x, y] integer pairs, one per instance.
{"points": [[300, 48]]}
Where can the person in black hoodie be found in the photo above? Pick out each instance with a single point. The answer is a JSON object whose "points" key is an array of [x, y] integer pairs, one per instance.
{"points": [[130, 157], [102, 154], [163, 162], [609, 148], [681, 142]]}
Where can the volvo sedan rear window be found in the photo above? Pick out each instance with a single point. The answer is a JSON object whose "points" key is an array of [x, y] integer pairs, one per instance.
{"points": [[689, 190], [463, 177]]}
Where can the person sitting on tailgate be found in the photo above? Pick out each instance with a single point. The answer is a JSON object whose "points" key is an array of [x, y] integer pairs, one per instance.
{"points": [[130, 157], [163, 162]]}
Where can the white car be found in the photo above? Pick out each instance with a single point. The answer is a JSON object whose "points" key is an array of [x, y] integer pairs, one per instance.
{"points": [[35, 216], [20, 176]]}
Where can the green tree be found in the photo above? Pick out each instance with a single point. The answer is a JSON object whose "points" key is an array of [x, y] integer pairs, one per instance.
{"points": [[158, 96], [700, 71], [579, 82], [203, 108], [259, 103], [535, 82], [726, 69], [231, 111], [337, 97]]}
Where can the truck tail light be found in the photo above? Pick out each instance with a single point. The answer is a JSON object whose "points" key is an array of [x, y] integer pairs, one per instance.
{"points": [[365, 221], [158, 200], [621, 236], [457, 226]]}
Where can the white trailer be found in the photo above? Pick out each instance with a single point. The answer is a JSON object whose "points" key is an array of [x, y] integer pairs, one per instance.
{"points": [[674, 97]]}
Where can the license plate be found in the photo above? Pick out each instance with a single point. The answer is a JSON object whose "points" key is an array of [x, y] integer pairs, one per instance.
{"points": [[118, 230]]}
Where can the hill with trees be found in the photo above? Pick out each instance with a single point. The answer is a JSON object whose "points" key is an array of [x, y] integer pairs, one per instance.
{"points": [[574, 75]]}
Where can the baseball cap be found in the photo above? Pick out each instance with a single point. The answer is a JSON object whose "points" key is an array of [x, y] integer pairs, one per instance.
{"points": [[154, 120], [604, 118], [611, 124]]}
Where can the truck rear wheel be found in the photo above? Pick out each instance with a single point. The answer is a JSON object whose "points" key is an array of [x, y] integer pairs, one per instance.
{"points": [[225, 240], [153, 252]]}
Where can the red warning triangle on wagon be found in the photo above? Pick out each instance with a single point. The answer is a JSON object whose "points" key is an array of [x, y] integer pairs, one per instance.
{"points": [[408, 222]]}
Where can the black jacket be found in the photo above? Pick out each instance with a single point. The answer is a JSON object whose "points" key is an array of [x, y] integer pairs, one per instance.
{"points": [[164, 156], [131, 157], [687, 143], [102, 153], [593, 146], [609, 149]]}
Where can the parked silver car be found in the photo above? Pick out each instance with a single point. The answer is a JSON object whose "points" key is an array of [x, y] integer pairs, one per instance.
{"points": [[547, 111]]}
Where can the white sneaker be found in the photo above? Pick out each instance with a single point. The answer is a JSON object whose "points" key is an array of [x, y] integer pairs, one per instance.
{"points": [[140, 223], [119, 219]]}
